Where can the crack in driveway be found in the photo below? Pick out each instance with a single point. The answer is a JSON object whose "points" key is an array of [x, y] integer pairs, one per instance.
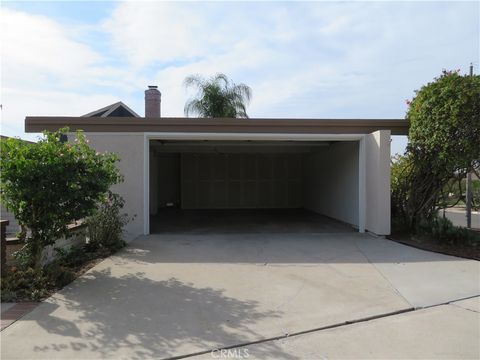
{"points": [[328, 327]]}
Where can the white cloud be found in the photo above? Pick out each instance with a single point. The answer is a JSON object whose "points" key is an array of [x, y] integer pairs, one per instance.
{"points": [[157, 32], [307, 59], [21, 103], [37, 48], [47, 71]]}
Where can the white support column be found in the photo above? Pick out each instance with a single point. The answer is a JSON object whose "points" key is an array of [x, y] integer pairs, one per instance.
{"points": [[361, 186], [377, 177]]}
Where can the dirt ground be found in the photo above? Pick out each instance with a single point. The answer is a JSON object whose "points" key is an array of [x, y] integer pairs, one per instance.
{"points": [[424, 243]]}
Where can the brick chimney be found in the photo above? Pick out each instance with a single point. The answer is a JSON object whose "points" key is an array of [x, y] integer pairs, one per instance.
{"points": [[152, 102]]}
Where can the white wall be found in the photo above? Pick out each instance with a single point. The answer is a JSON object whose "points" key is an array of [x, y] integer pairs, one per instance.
{"points": [[241, 180], [130, 148], [331, 181], [377, 176]]}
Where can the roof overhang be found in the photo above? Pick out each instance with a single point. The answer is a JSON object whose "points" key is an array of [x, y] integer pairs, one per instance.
{"points": [[35, 124]]}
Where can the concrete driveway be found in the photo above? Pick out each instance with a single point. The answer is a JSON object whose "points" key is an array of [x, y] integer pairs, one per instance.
{"points": [[186, 294]]}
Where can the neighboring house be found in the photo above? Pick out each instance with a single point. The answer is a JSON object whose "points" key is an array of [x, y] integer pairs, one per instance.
{"points": [[119, 109], [336, 167]]}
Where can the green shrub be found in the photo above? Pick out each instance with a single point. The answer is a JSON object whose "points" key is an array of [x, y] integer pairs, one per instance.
{"points": [[59, 275], [26, 284], [73, 256], [51, 183], [442, 230], [401, 169], [105, 231], [23, 256], [444, 118], [34, 285], [8, 296], [105, 226]]}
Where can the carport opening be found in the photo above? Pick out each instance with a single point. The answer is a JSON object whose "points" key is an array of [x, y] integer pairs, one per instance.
{"points": [[253, 186]]}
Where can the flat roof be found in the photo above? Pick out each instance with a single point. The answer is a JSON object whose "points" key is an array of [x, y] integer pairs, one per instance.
{"points": [[34, 124]]}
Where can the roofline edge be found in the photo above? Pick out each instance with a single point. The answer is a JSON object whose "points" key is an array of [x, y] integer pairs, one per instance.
{"points": [[35, 124]]}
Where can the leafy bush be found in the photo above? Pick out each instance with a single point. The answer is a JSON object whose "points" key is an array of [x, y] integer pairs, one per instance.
{"points": [[443, 230], [105, 226], [59, 275], [23, 256], [444, 119], [25, 285], [32, 285], [401, 170], [105, 230], [73, 257], [51, 183]]}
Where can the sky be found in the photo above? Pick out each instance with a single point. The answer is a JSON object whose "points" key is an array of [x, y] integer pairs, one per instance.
{"points": [[301, 59]]}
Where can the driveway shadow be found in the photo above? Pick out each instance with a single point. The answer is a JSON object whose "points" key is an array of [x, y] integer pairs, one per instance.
{"points": [[134, 317]]}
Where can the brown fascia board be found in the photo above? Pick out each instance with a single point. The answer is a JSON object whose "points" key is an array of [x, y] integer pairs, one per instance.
{"points": [[35, 124]]}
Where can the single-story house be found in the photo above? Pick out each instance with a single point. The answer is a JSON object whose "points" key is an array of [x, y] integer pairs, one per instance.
{"points": [[336, 167]]}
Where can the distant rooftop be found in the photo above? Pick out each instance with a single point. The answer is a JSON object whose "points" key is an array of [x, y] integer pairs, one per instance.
{"points": [[118, 109]]}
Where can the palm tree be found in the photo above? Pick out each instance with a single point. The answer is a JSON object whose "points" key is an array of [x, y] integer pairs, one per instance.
{"points": [[217, 97]]}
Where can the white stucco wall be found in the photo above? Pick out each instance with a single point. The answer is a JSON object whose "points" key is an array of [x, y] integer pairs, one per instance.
{"points": [[232, 181], [129, 148], [331, 181], [377, 177]]}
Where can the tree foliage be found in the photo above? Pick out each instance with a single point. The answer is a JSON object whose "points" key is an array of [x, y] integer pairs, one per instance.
{"points": [[50, 184], [445, 122], [217, 97], [105, 226], [444, 144], [401, 169]]}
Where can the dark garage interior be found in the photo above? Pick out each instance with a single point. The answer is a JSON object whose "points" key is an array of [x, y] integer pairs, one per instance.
{"points": [[253, 186]]}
